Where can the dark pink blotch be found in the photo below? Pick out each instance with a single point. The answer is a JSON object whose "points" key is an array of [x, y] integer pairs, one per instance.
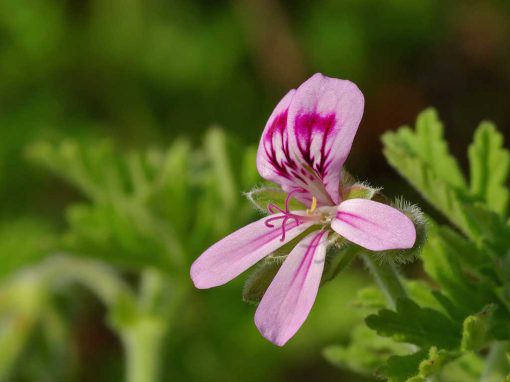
{"points": [[278, 131], [310, 127]]}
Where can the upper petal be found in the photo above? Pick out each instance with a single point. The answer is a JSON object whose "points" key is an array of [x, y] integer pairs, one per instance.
{"points": [[275, 162], [240, 250], [289, 298], [323, 118], [374, 225], [308, 137]]}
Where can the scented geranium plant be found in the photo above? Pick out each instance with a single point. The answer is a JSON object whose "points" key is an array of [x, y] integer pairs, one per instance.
{"points": [[453, 322], [129, 246]]}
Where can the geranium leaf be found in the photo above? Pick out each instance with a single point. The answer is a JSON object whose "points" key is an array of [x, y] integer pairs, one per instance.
{"points": [[411, 323], [490, 168], [365, 353]]}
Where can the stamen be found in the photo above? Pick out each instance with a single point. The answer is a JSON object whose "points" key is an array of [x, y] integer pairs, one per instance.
{"points": [[313, 206], [283, 227], [285, 218], [272, 208], [289, 196]]}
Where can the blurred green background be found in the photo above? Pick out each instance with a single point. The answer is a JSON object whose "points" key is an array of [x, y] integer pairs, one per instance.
{"points": [[148, 75]]}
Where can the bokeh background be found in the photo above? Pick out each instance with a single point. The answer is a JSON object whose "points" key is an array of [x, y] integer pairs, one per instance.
{"points": [[142, 74]]}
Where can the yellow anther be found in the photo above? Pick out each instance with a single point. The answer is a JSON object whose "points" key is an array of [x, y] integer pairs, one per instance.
{"points": [[313, 207]]}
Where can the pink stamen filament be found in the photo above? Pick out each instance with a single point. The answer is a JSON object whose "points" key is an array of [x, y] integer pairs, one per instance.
{"points": [[287, 215]]}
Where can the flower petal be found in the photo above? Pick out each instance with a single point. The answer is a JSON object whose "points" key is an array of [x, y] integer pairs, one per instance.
{"points": [[232, 255], [374, 225], [308, 137], [323, 118], [275, 161], [289, 298]]}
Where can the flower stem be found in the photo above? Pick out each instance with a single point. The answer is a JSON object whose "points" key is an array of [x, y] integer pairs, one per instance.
{"points": [[387, 278], [496, 364]]}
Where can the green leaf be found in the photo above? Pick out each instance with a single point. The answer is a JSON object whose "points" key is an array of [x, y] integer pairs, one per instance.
{"points": [[96, 170], [476, 329], [490, 168], [365, 353], [370, 298], [467, 368], [402, 368], [417, 367], [464, 289], [410, 323], [436, 360], [144, 206], [421, 292], [446, 259], [448, 306], [427, 144], [24, 241], [422, 158], [124, 235], [169, 182], [215, 144], [248, 170]]}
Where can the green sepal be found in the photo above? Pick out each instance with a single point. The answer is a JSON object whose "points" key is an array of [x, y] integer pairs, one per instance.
{"points": [[261, 197], [360, 191], [337, 260], [266, 269], [260, 279]]}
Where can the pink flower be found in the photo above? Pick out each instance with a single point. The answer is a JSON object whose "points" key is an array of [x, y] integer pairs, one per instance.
{"points": [[303, 148]]}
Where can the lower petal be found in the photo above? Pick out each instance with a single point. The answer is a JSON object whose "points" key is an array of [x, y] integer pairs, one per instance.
{"points": [[289, 298], [374, 225], [237, 252]]}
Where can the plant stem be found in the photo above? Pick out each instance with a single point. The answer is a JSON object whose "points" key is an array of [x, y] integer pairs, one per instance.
{"points": [[139, 319], [496, 364], [387, 278], [142, 343], [144, 333]]}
